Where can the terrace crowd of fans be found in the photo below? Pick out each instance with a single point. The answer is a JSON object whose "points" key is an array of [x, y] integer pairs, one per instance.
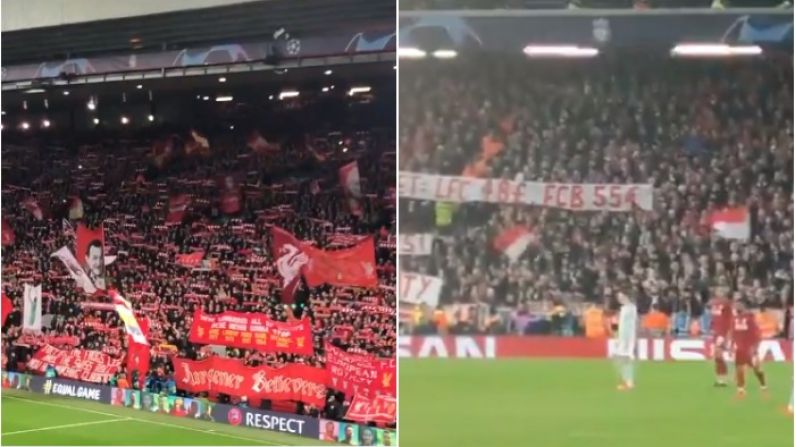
{"points": [[708, 135], [122, 185]]}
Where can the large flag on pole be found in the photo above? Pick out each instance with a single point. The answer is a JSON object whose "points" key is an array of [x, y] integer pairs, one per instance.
{"points": [[91, 253], [31, 309]]}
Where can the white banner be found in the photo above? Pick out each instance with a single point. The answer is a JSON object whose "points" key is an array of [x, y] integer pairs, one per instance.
{"points": [[571, 196], [31, 312], [415, 244], [416, 288]]}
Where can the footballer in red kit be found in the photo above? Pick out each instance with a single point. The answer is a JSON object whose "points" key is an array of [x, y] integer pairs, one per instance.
{"points": [[746, 337], [722, 312]]}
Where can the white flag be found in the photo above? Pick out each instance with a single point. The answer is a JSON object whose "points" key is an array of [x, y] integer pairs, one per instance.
{"points": [[124, 309], [416, 288], [31, 313], [75, 270]]}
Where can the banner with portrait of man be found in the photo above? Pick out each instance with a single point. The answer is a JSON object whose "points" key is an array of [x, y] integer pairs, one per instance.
{"points": [[90, 252]]}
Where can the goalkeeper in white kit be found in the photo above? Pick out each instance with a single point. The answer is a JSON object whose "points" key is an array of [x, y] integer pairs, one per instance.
{"points": [[624, 356]]}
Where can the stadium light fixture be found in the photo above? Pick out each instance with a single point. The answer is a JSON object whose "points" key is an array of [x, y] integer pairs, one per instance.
{"points": [[34, 90], [223, 98], [288, 94], [125, 120], [45, 123], [325, 89], [91, 104], [96, 121], [66, 92], [445, 54], [411, 53], [360, 89], [222, 79], [206, 98], [714, 50], [150, 118], [560, 51], [328, 72], [25, 125], [139, 86]]}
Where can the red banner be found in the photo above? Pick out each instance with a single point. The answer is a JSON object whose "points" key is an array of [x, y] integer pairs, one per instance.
{"points": [[356, 375], [90, 253], [229, 376], [78, 364], [380, 409], [658, 349], [191, 260], [252, 331]]}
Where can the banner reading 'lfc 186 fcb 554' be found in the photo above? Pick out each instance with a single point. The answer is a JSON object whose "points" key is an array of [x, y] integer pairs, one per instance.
{"points": [[229, 376], [252, 331]]}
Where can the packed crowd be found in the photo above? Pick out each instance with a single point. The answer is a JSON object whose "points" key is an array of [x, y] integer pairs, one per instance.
{"points": [[125, 185], [706, 134]]}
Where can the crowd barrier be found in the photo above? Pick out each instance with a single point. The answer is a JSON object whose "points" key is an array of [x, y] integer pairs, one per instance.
{"points": [[321, 429], [510, 346]]}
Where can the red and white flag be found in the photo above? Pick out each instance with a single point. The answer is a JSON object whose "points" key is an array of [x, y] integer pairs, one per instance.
{"points": [[513, 241], [731, 223], [351, 184], [33, 207], [290, 261]]}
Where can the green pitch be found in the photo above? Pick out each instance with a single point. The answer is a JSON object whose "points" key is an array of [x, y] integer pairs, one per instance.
{"points": [[460, 403], [36, 419]]}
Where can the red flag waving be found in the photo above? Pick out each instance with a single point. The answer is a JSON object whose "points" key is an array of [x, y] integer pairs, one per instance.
{"points": [[191, 260], [7, 307], [91, 253], [8, 235], [514, 241], [353, 266]]}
